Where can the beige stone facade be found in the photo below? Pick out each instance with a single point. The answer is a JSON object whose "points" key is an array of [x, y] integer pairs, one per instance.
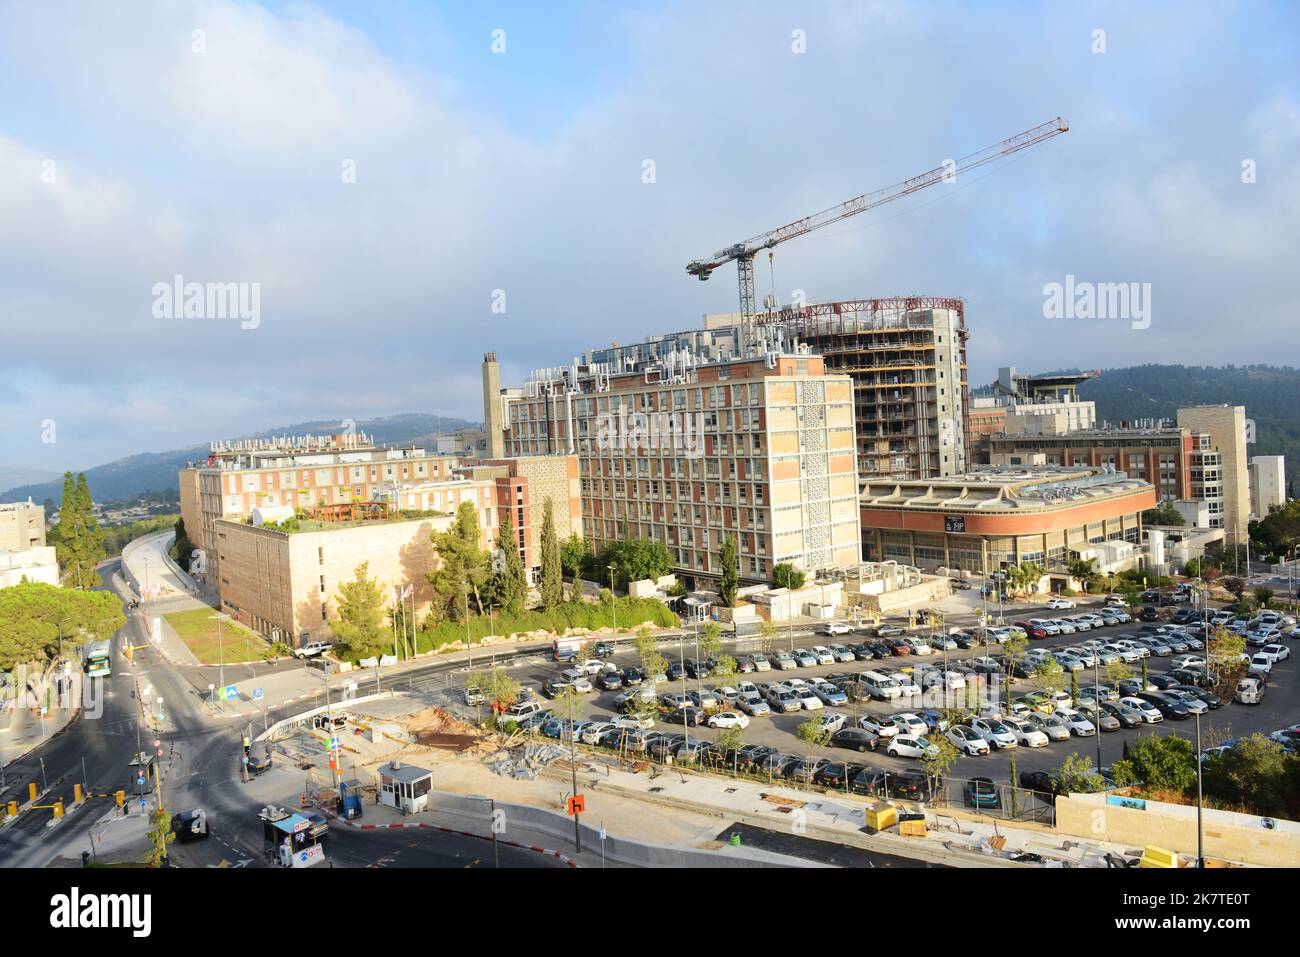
{"points": [[286, 584], [22, 526], [1226, 426]]}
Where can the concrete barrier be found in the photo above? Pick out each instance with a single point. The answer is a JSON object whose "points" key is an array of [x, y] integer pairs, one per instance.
{"points": [[560, 826]]}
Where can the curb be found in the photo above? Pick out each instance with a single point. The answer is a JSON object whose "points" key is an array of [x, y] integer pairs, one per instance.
{"points": [[563, 858]]}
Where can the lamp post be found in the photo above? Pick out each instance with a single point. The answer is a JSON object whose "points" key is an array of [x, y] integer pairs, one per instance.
{"points": [[613, 605], [221, 655], [1096, 699], [1200, 828]]}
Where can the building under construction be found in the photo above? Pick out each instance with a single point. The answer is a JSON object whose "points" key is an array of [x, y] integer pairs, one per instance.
{"points": [[907, 359]]}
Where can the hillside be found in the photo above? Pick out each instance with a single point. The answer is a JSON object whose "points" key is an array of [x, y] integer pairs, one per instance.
{"points": [[150, 471], [1271, 395]]}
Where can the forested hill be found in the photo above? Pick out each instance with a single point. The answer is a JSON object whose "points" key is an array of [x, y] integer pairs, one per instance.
{"points": [[135, 474], [1271, 395]]}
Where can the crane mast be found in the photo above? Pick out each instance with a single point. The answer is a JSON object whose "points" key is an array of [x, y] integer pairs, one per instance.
{"points": [[743, 253]]}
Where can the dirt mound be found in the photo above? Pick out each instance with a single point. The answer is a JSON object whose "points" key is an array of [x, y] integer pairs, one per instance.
{"points": [[435, 728]]}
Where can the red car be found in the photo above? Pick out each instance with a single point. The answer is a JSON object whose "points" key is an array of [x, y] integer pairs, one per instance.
{"points": [[898, 647], [1033, 631]]}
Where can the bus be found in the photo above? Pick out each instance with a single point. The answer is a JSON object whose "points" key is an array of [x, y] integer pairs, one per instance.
{"points": [[97, 659]]}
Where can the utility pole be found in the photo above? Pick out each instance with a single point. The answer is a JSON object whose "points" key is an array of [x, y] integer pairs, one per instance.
{"points": [[1200, 828], [573, 764], [613, 604]]}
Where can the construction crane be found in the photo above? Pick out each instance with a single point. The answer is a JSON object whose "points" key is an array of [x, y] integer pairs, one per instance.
{"points": [[743, 253]]}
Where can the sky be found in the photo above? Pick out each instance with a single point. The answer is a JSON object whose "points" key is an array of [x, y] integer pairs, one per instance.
{"points": [[388, 176]]}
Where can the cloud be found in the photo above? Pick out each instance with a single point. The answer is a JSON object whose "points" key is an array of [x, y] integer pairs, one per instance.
{"points": [[227, 165]]}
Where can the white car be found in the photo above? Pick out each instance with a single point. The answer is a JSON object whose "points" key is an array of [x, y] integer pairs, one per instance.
{"points": [[1188, 661], [592, 732], [1050, 725], [1058, 603], [1127, 655], [578, 679], [831, 721], [592, 666], [994, 732], [836, 628], [1026, 732], [883, 726], [630, 722], [906, 685], [907, 746], [1150, 713], [807, 698], [1188, 700], [823, 655], [1077, 723], [965, 740], [1067, 627], [843, 654], [918, 645], [911, 725], [1080, 622], [1047, 624], [729, 719], [1275, 652], [1261, 665], [761, 663]]}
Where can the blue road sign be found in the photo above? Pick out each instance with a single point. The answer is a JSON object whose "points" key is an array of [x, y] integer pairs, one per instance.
{"points": [[139, 780], [244, 759], [230, 692], [258, 694], [143, 804], [335, 744]]}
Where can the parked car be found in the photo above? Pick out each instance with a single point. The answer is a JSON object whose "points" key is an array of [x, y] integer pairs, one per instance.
{"points": [[982, 793], [1050, 725], [1104, 720], [1127, 717], [728, 719], [993, 731], [1026, 732], [1058, 602], [1043, 782], [856, 739], [1150, 713], [908, 746], [1167, 706], [966, 740], [1077, 723], [1249, 691]]}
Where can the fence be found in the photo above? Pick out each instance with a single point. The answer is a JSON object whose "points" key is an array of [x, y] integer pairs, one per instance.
{"points": [[819, 775]]}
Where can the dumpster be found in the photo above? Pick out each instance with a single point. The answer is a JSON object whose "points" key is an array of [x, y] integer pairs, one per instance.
{"points": [[880, 816]]}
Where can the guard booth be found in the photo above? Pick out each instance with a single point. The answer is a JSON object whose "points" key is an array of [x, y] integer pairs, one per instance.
{"points": [[405, 787], [293, 841]]}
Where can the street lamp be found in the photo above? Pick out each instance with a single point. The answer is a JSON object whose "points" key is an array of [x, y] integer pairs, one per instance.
{"points": [[1200, 828], [613, 605], [221, 653]]}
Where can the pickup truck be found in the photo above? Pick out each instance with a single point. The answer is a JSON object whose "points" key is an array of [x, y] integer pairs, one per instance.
{"points": [[312, 649]]}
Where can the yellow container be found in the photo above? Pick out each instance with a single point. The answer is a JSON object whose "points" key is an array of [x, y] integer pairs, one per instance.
{"points": [[1153, 856], [881, 816], [912, 828]]}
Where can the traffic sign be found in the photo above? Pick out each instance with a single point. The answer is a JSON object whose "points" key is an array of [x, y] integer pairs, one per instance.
{"points": [[230, 692], [244, 759], [577, 804], [258, 694], [139, 780], [335, 744], [143, 804]]}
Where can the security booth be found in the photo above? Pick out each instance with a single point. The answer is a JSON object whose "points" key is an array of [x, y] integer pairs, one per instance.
{"points": [[293, 840], [405, 787]]}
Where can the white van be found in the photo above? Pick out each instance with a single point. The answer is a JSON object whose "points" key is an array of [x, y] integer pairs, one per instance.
{"points": [[880, 686]]}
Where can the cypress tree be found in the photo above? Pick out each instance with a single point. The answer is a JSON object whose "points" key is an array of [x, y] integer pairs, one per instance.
{"points": [[552, 573]]}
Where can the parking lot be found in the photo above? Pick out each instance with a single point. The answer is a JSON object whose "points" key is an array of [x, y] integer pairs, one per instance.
{"points": [[779, 731]]}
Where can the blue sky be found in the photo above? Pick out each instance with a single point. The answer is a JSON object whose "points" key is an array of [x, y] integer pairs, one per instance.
{"points": [[522, 171]]}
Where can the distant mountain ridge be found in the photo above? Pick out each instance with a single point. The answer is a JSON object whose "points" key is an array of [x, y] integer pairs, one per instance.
{"points": [[156, 471]]}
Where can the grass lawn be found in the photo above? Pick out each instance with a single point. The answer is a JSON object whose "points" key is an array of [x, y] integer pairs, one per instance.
{"points": [[198, 630]]}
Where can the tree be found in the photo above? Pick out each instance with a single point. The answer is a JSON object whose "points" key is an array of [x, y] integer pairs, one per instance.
{"points": [[508, 586], [730, 739], [360, 624], [1264, 595], [638, 559], [1013, 649], [786, 575], [767, 629], [813, 731], [1163, 514], [160, 835], [1118, 671], [1074, 686], [1077, 775], [497, 685], [1255, 773], [1051, 676], [939, 761], [1192, 568], [725, 668], [710, 639], [1235, 585], [574, 554], [729, 558], [463, 567], [1024, 578], [552, 574], [1084, 569], [77, 538], [33, 615], [1162, 763], [182, 548]]}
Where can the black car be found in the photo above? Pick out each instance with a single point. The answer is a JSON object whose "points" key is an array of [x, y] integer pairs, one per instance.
{"points": [[750, 757], [804, 770], [609, 680], [690, 716], [1162, 682], [1182, 616], [1168, 707], [1211, 700], [633, 677], [697, 669], [857, 739], [837, 775], [675, 671], [1149, 613], [1124, 716], [879, 649], [862, 652], [259, 760], [964, 640], [1044, 782], [880, 782], [1195, 677], [776, 764], [190, 825]]}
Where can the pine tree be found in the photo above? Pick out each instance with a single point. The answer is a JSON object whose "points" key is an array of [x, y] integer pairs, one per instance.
{"points": [[360, 624], [463, 566], [508, 587], [730, 560], [552, 575], [78, 539]]}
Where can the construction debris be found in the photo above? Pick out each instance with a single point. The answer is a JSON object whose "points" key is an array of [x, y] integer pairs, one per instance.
{"points": [[524, 763]]}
